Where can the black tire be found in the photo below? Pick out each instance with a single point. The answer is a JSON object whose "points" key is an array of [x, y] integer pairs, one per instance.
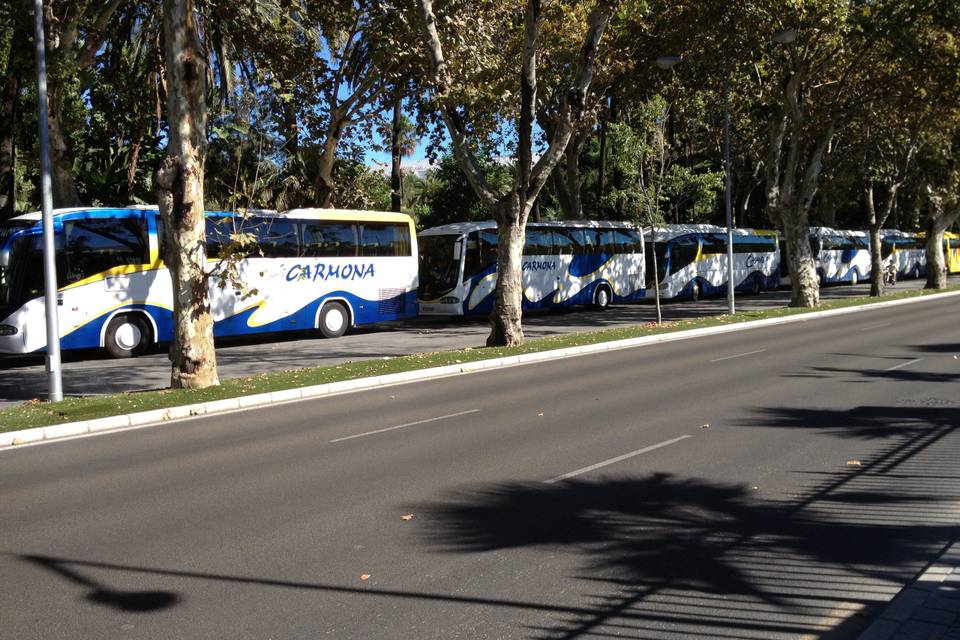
{"points": [[334, 320], [695, 292], [601, 299], [916, 272], [854, 279], [755, 288], [127, 336]]}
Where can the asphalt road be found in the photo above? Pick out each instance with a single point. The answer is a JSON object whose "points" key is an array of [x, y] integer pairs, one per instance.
{"points": [[92, 373], [783, 482]]}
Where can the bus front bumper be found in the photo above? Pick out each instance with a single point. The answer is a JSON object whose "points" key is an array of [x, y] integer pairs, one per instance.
{"points": [[441, 309]]}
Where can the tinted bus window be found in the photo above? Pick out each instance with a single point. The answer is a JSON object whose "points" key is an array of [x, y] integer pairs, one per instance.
{"points": [[538, 242], [94, 245], [563, 242], [682, 252], [276, 237], [329, 239], [384, 239]]}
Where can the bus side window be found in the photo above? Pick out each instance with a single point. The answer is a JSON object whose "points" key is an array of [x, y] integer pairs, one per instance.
{"points": [[683, 251], [472, 260], [384, 239], [276, 237], [329, 239], [94, 245], [578, 241], [607, 243], [635, 241], [563, 242], [538, 242]]}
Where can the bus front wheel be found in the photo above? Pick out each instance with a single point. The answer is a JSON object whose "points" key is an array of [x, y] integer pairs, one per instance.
{"points": [[334, 320], [126, 336], [601, 300]]}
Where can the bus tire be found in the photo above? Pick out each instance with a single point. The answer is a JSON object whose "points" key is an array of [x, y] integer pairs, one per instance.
{"points": [[127, 336], [916, 272], [755, 287], [854, 279], [601, 299], [695, 292], [334, 320]]}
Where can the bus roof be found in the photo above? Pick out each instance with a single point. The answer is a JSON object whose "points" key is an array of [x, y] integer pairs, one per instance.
{"points": [[460, 228], [827, 231], [345, 214], [671, 231]]}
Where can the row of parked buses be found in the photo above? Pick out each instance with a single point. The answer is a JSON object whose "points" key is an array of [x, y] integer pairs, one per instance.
{"points": [[330, 270]]}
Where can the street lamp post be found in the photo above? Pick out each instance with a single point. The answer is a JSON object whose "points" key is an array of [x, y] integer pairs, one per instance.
{"points": [[54, 380], [731, 306]]}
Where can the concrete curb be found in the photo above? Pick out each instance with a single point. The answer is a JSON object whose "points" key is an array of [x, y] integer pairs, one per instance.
{"points": [[160, 416]]}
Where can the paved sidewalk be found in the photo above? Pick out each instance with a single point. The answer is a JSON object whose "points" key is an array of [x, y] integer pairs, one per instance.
{"points": [[928, 609]]}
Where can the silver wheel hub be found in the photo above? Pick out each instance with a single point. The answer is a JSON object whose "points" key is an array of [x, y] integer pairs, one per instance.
{"points": [[127, 336], [333, 320]]}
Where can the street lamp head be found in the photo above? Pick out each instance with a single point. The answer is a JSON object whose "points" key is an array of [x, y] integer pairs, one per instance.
{"points": [[785, 36], [667, 62]]}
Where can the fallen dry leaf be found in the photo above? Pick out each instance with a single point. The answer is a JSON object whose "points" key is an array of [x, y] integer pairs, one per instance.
{"points": [[364, 576], [540, 414], [854, 463], [407, 517], [705, 426]]}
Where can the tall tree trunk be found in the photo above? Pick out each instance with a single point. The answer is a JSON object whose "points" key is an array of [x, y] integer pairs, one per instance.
{"points": [[936, 261], [804, 283], [396, 177], [505, 318], [326, 162], [876, 261], [180, 195], [132, 166], [61, 160], [8, 149]]}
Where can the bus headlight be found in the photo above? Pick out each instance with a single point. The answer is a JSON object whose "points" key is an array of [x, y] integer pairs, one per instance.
{"points": [[7, 330], [450, 300]]}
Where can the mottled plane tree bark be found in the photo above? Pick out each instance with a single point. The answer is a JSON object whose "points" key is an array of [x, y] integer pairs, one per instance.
{"points": [[180, 194]]}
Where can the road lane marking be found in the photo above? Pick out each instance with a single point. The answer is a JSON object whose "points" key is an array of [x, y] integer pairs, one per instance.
{"points": [[404, 426], [903, 364], [739, 355], [606, 463], [875, 326]]}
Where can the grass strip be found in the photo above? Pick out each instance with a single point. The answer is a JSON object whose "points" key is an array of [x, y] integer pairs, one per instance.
{"points": [[37, 413]]}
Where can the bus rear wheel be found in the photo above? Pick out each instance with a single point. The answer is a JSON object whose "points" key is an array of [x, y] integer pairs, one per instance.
{"points": [[601, 299], [127, 336], [695, 292], [334, 320], [854, 279]]}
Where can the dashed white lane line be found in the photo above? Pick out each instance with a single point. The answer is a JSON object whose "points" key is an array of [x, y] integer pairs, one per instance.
{"points": [[739, 355], [875, 326], [404, 426], [605, 463], [903, 364]]}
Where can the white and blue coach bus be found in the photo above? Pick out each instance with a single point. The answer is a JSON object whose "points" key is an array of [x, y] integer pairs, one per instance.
{"points": [[304, 269], [692, 260], [840, 255], [905, 250], [564, 264]]}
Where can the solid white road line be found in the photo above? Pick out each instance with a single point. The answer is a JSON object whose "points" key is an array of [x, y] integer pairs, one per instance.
{"points": [[404, 426], [605, 463], [903, 364], [875, 326], [739, 355]]}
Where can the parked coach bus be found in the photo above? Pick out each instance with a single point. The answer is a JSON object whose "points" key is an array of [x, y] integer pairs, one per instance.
{"points": [[305, 269], [904, 250], [564, 264], [692, 260], [838, 256]]}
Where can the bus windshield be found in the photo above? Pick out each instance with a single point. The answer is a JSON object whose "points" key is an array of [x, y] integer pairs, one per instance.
{"points": [[439, 266], [22, 278]]}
